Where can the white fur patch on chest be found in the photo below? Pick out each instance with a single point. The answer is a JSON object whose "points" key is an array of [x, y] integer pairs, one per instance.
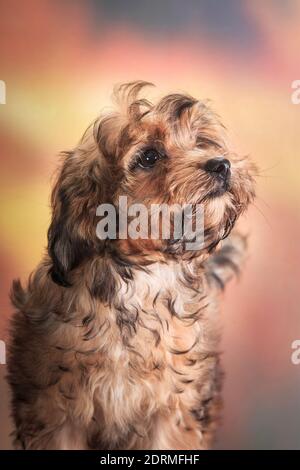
{"points": [[155, 283]]}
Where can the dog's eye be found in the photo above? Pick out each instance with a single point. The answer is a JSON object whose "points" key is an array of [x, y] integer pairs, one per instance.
{"points": [[148, 158]]}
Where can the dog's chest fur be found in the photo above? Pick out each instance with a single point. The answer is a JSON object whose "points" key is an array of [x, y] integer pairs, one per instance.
{"points": [[138, 372], [148, 356]]}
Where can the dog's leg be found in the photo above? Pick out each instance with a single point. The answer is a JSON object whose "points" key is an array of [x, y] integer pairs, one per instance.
{"points": [[67, 436], [43, 419], [175, 432]]}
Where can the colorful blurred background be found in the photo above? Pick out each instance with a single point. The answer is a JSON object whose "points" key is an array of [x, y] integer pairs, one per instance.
{"points": [[59, 60]]}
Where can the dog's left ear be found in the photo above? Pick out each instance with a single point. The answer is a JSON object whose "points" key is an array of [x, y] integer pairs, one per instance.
{"points": [[72, 233]]}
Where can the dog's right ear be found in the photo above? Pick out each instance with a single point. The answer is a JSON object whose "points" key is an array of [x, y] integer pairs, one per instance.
{"points": [[65, 248], [72, 232]]}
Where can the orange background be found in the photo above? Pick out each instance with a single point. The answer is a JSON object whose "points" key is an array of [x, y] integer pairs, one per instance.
{"points": [[60, 59]]}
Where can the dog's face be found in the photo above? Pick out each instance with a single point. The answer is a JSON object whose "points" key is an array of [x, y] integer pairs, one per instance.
{"points": [[172, 152]]}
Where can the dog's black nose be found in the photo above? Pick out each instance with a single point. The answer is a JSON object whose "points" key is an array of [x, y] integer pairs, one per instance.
{"points": [[219, 166]]}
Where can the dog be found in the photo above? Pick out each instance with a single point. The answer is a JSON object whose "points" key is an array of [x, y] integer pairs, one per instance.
{"points": [[115, 342]]}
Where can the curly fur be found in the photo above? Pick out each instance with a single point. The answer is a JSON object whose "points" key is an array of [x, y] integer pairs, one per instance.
{"points": [[114, 344]]}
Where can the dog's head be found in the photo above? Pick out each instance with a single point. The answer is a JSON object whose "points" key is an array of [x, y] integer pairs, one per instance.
{"points": [[172, 152]]}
